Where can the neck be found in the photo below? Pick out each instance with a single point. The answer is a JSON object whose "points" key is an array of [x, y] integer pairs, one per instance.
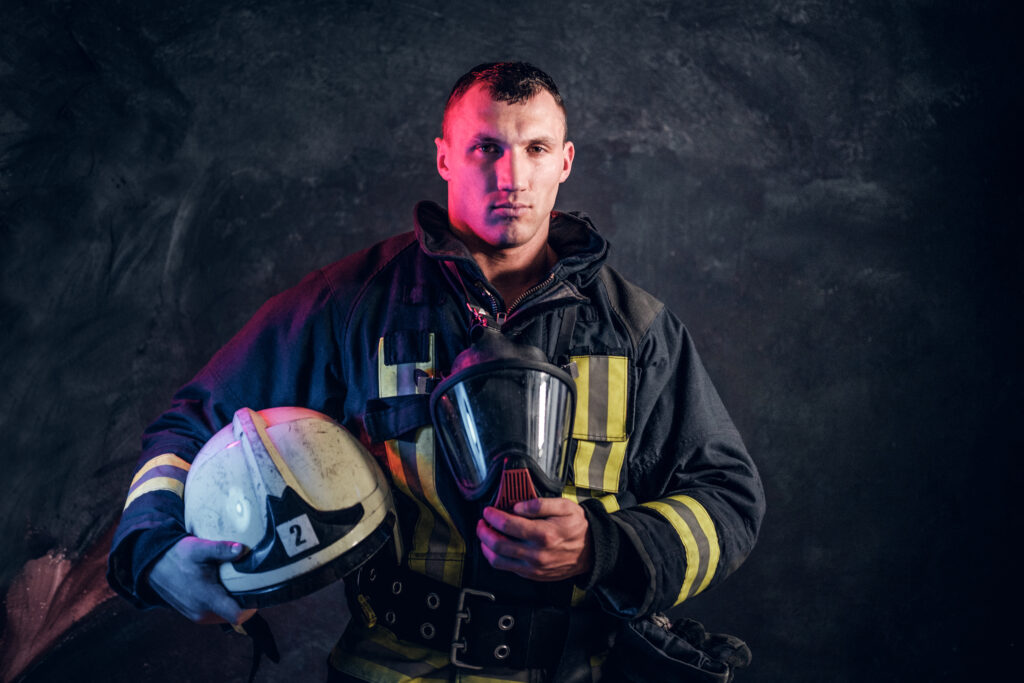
{"points": [[514, 274], [511, 270]]}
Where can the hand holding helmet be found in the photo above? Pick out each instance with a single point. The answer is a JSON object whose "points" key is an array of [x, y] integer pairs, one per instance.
{"points": [[186, 578], [292, 487]]}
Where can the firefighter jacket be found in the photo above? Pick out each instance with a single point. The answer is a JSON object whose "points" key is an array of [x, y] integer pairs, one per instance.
{"points": [[673, 499]]}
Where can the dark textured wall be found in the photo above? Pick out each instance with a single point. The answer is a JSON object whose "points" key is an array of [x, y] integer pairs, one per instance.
{"points": [[821, 190]]}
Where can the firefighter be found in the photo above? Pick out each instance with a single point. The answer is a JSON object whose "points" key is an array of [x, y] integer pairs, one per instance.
{"points": [[491, 348]]}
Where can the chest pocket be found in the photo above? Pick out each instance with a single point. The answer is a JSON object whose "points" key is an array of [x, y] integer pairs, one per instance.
{"points": [[603, 422], [404, 358]]}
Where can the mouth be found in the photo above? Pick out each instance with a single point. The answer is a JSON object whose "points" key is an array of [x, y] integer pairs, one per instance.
{"points": [[510, 209]]}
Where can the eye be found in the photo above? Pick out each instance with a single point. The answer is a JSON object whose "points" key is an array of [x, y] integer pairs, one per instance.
{"points": [[487, 148]]}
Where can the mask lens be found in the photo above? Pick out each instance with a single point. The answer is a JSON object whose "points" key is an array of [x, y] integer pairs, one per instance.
{"points": [[491, 412]]}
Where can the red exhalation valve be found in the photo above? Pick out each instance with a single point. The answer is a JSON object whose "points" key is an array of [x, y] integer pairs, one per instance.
{"points": [[515, 485]]}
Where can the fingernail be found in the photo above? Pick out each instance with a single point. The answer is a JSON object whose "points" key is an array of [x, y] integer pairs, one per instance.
{"points": [[236, 548]]}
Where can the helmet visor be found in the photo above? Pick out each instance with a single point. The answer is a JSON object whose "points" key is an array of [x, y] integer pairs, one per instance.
{"points": [[505, 408]]}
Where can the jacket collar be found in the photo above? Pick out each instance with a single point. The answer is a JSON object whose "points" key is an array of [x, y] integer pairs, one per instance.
{"points": [[581, 250]]}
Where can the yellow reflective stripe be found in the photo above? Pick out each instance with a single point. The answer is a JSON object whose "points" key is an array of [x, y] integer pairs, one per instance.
{"points": [[387, 375], [578, 596], [613, 466], [414, 653], [581, 463], [156, 484], [451, 572], [618, 378], [602, 395], [370, 670], [424, 520], [421, 550], [570, 492], [377, 654], [691, 544], [165, 459], [582, 419], [610, 503], [598, 464], [437, 549]]}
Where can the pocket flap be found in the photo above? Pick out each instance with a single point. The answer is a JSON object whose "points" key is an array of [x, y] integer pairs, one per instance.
{"points": [[602, 398]]}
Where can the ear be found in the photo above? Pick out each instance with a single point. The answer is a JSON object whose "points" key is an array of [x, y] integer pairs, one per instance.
{"points": [[568, 154], [442, 158]]}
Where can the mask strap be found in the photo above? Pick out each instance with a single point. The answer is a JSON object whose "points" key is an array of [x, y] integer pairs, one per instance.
{"points": [[565, 330]]}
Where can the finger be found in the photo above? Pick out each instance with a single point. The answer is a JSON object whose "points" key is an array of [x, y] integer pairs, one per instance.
{"points": [[226, 608], [491, 538], [504, 552], [545, 507], [215, 605], [513, 526], [500, 561], [207, 604]]}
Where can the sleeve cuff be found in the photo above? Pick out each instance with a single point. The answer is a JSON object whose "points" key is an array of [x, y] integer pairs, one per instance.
{"points": [[605, 537], [131, 558]]}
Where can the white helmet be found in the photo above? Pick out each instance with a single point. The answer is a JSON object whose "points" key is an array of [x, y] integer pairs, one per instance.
{"points": [[299, 491]]}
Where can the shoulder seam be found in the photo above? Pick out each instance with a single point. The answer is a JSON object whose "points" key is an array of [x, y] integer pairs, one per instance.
{"points": [[621, 294]]}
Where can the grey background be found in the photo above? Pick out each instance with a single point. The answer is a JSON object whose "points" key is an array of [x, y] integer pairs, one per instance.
{"points": [[827, 193]]}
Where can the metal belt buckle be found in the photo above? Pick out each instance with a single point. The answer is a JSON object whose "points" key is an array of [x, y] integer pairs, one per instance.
{"points": [[462, 616]]}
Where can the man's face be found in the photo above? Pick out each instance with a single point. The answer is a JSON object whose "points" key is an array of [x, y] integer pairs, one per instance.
{"points": [[503, 163]]}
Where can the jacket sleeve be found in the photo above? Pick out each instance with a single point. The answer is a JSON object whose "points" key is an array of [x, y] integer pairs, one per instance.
{"points": [[692, 501], [285, 355]]}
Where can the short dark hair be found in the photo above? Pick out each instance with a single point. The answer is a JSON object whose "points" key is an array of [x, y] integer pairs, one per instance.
{"points": [[511, 82]]}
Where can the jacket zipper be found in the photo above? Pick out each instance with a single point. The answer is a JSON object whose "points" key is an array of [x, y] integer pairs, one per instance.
{"points": [[502, 317]]}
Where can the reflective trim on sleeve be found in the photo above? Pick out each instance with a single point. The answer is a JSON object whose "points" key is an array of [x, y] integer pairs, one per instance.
{"points": [[175, 486], [165, 472], [167, 459], [696, 531], [437, 549]]}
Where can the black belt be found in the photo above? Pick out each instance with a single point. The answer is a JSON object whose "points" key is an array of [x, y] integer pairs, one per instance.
{"points": [[476, 629]]}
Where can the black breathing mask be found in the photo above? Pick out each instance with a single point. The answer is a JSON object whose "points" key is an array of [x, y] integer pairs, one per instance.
{"points": [[503, 417]]}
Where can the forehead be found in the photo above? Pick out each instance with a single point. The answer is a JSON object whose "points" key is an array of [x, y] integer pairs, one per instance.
{"points": [[477, 114]]}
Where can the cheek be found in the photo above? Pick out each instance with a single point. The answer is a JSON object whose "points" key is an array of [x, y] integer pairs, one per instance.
{"points": [[550, 177]]}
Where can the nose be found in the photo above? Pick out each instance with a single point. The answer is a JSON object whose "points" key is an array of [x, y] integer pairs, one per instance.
{"points": [[510, 170]]}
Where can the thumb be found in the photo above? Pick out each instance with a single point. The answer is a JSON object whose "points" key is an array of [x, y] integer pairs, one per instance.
{"points": [[217, 551]]}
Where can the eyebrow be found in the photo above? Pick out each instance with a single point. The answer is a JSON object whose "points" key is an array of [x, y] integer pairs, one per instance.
{"points": [[542, 140]]}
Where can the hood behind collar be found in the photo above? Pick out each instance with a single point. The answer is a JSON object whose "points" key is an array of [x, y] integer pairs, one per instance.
{"points": [[581, 250]]}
